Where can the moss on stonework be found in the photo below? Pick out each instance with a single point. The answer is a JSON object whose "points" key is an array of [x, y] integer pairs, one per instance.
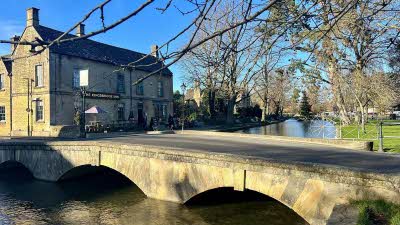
{"points": [[378, 212]]}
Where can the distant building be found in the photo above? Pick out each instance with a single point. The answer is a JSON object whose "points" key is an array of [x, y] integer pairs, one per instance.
{"points": [[244, 99], [40, 94], [194, 95]]}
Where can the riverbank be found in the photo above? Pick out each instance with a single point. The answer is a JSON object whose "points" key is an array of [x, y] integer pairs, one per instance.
{"points": [[377, 212], [234, 127]]}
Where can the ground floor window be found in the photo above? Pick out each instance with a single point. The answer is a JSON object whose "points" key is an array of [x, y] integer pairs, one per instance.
{"points": [[121, 111], [39, 110], [161, 111], [2, 114]]}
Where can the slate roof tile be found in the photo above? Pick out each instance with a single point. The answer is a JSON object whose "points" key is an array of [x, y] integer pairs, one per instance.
{"points": [[93, 50]]}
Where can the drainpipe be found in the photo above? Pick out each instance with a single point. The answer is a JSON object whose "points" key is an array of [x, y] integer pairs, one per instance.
{"points": [[28, 104], [10, 107], [31, 108]]}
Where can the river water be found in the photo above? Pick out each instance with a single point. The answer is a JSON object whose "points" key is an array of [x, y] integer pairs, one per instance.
{"points": [[110, 199], [295, 128]]}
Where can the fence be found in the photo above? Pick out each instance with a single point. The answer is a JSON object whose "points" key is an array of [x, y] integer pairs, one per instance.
{"points": [[384, 134], [390, 135]]}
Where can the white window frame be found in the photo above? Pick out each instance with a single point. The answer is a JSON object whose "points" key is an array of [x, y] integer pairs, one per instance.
{"points": [[77, 77], [37, 107], [39, 82], [5, 118], [2, 80], [160, 88], [121, 83], [140, 88], [121, 105]]}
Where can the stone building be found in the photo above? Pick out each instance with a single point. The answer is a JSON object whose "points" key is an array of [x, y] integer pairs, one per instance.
{"points": [[194, 95], [40, 93]]}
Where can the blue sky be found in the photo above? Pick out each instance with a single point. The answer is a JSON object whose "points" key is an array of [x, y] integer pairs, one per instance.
{"points": [[139, 33]]}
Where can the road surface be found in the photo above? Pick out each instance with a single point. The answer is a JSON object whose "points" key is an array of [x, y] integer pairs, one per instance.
{"points": [[289, 151]]}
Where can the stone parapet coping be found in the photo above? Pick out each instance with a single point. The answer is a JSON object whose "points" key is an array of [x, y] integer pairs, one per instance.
{"points": [[341, 143]]}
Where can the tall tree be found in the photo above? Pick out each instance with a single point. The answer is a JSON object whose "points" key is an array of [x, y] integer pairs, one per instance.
{"points": [[305, 107]]}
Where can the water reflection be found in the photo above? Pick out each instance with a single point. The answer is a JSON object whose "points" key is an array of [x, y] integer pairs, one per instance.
{"points": [[105, 200], [294, 128]]}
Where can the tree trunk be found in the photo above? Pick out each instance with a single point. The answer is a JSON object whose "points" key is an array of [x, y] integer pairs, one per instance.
{"points": [[339, 99], [264, 113], [265, 110], [362, 118], [230, 110], [211, 104]]}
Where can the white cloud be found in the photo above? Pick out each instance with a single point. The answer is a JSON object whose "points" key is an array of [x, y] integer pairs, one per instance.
{"points": [[7, 30]]}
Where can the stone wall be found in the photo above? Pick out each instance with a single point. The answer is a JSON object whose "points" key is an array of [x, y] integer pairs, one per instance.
{"points": [[102, 78], [63, 131], [340, 143], [24, 73], [5, 101]]}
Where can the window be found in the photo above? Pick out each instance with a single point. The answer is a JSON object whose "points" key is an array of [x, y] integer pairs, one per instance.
{"points": [[39, 110], [160, 111], [76, 79], [140, 88], [80, 77], [121, 111], [2, 114], [120, 83], [160, 89], [39, 76], [2, 81]]}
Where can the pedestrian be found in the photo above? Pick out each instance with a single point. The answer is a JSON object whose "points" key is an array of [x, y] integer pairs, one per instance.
{"points": [[151, 123], [171, 122], [145, 121]]}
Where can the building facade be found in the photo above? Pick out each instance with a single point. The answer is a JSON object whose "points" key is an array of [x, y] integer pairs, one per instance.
{"points": [[40, 91]]}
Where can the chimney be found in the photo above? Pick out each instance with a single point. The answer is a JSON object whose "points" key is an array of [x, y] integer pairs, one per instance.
{"points": [[154, 50], [32, 17], [80, 30], [15, 39]]}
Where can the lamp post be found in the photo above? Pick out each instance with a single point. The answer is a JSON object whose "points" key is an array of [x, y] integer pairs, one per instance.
{"points": [[83, 115], [29, 109], [183, 87]]}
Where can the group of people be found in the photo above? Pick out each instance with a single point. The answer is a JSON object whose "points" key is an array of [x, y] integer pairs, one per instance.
{"points": [[173, 122]]}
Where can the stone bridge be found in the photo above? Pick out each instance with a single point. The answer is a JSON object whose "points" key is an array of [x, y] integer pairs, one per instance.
{"points": [[318, 192]]}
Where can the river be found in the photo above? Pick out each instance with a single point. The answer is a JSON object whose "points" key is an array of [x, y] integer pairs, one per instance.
{"points": [[107, 198], [295, 128]]}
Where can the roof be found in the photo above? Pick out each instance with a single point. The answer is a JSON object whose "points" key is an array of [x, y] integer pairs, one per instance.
{"points": [[7, 63], [93, 50]]}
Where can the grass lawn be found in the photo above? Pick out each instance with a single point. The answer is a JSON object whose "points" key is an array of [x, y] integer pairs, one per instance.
{"points": [[378, 212], [390, 144]]}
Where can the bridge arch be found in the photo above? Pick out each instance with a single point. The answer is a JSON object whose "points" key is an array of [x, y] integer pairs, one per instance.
{"points": [[230, 192], [103, 171], [87, 169], [11, 164]]}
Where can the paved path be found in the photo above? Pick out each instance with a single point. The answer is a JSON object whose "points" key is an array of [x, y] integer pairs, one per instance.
{"points": [[272, 149]]}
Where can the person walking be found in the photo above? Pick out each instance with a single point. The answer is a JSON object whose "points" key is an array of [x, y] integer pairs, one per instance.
{"points": [[170, 122]]}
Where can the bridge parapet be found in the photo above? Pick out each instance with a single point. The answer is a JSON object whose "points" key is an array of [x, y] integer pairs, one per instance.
{"points": [[315, 192]]}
